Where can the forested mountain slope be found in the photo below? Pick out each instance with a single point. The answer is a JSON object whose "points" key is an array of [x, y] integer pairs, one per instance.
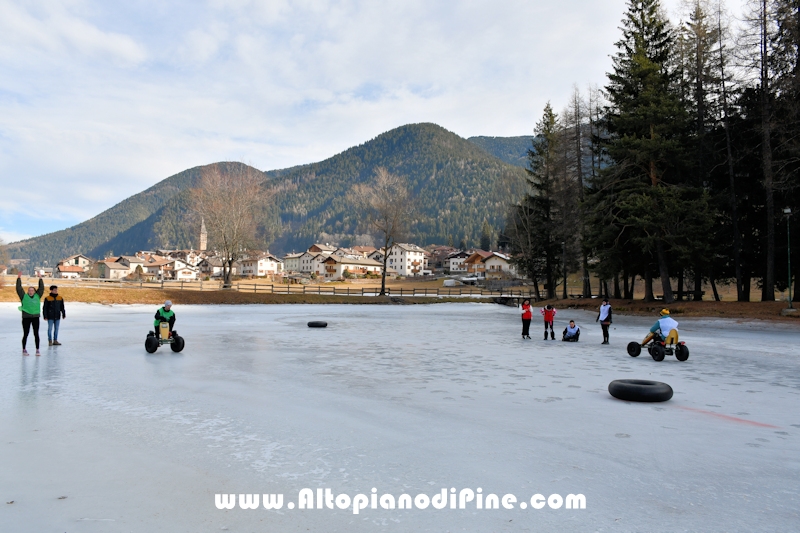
{"points": [[457, 185]]}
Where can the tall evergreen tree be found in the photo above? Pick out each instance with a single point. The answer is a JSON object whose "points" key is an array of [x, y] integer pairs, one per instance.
{"points": [[531, 226], [646, 122]]}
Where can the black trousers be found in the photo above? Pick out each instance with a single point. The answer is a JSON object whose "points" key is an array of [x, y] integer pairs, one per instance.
{"points": [[526, 326], [605, 330], [27, 322], [546, 323]]}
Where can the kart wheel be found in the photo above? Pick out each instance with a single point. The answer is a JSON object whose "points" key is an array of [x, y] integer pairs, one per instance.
{"points": [[657, 351], [640, 390], [634, 349], [681, 352], [177, 343], [151, 344]]}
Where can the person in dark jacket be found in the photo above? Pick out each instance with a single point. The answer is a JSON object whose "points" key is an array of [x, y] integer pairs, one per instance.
{"points": [[31, 310], [53, 311], [604, 317], [165, 314]]}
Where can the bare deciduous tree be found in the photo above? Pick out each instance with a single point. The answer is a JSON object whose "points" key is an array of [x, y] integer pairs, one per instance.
{"points": [[388, 207], [228, 201]]}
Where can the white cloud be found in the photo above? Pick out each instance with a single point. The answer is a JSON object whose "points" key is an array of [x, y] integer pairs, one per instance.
{"points": [[100, 100]]}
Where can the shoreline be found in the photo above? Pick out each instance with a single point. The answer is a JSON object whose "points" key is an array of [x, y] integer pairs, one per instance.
{"points": [[705, 309]]}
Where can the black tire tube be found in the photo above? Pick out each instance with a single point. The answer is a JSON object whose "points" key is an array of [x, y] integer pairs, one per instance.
{"points": [[640, 390], [681, 352], [151, 344], [634, 349], [177, 343], [318, 324]]}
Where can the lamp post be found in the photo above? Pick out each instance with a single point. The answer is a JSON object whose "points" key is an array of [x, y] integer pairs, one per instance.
{"points": [[788, 212]]}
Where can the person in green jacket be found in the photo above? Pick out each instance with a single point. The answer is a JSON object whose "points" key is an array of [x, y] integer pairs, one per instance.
{"points": [[165, 314], [31, 309]]}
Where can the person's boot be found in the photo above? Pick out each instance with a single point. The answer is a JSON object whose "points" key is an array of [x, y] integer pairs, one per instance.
{"points": [[49, 342], [56, 343], [552, 335]]}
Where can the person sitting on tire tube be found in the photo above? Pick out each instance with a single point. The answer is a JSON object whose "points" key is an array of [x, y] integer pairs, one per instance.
{"points": [[667, 324], [571, 333], [165, 314], [549, 314]]}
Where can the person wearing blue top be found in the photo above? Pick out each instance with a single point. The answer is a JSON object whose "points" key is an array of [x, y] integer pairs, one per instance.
{"points": [[665, 328], [571, 333]]}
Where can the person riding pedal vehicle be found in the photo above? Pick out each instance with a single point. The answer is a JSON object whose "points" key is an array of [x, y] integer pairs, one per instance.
{"points": [[164, 314], [664, 324]]}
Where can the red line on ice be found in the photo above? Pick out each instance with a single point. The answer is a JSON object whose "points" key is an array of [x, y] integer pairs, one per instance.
{"points": [[731, 418]]}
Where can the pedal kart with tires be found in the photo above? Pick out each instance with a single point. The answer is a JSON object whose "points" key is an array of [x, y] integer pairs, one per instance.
{"points": [[658, 348], [152, 342]]}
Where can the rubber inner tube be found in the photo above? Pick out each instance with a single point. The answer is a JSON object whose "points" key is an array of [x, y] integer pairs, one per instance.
{"points": [[317, 324], [640, 390]]}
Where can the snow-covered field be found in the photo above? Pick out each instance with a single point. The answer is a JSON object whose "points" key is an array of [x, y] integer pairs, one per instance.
{"points": [[406, 399]]}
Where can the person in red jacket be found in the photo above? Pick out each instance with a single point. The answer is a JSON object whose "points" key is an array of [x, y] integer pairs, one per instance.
{"points": [[549, 314], [527, 316]]}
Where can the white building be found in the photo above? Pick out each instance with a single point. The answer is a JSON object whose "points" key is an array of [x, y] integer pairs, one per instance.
{"points": [[454, 263], [498, 265], [291, 262], [68, 271], [261, 265], [406, 259], [111, 269], [307, 262], [335, 266]]}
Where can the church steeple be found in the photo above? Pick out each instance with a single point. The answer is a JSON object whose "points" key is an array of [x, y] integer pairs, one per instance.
{"points": [[203, 236]]}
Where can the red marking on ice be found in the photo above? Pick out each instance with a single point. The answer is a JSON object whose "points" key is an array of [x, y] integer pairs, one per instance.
{"points": [[731, 418]]}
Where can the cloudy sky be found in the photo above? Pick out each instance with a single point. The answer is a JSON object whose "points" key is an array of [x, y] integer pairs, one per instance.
{"points": [[99, 100]]}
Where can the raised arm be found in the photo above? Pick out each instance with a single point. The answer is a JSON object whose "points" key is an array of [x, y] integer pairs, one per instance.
{"points": [[40, 290], [20, 292]]}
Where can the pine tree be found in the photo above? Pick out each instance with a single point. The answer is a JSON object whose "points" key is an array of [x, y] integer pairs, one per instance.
{"points": [[646, 122], [535, 213], [486, 236]]}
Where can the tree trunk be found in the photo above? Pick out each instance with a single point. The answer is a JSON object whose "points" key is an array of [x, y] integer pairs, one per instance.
{"points": [[383, 274], [698, 286], [737, 238], [587, 282], [768, 287], [625, 290], [663, 270], [648, 285], [746, 281], [616, 286], [680, 285], [714, 288], [633, 287]]}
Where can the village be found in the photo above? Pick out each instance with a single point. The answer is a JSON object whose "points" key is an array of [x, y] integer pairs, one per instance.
{"points": [[320, 262]]}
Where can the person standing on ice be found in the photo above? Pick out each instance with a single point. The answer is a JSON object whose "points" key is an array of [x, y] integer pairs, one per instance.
{"points": [[604, 317], [165, 314], [527, 316], [665, 328], [53, 311], [549, 314], [31, 310]]}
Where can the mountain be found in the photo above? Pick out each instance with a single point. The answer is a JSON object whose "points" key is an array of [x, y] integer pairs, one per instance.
{"points": [[457, 182], [512, 150]]}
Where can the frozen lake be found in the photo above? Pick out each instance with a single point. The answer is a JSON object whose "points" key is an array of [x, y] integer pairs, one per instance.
{"points": [[406, 399]]}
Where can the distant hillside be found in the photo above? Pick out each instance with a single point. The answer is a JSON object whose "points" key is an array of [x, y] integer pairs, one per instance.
{"points": [[457, 184], [512, 150], [125, 227]]}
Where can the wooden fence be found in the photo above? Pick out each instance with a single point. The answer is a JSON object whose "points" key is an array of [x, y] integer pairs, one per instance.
{"points": [[263, 288]]}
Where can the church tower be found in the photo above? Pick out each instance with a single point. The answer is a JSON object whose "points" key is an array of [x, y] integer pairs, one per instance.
{"points": [[203, 236]]}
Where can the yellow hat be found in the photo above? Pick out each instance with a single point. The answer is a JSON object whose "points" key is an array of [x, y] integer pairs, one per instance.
{"points": [[664, 312]]}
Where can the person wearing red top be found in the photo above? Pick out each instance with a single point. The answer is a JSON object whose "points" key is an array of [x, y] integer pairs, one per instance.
{"points": [[549, 314], [527, 316]]}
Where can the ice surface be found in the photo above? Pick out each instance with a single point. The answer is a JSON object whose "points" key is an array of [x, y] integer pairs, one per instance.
{"points": [[407, 399]]}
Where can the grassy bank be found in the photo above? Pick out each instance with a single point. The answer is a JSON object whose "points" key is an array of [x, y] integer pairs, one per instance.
{"points": [[740, 310], [156, 296]]}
